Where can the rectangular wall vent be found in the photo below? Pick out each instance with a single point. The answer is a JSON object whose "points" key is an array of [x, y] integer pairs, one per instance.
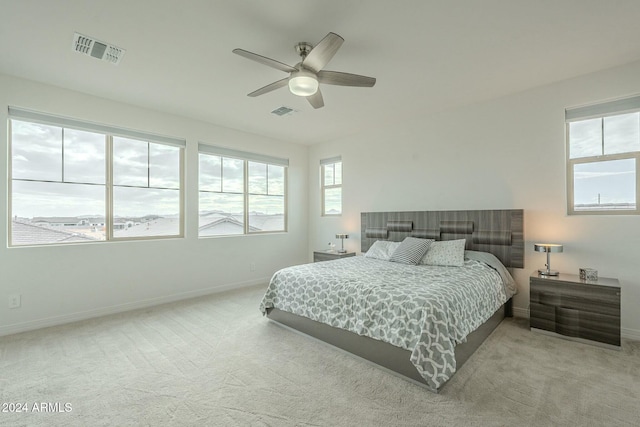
{"points": [[91, 47], [283, 111]]}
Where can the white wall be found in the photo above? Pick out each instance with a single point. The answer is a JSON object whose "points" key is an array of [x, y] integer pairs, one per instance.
{"points": [[69, 282], [507, 153]]}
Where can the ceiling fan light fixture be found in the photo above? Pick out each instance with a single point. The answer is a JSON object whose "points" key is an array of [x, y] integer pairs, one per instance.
{"points": [[303, 83]]}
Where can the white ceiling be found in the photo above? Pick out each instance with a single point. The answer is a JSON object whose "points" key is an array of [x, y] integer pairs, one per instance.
{"points": [[427, 56]]}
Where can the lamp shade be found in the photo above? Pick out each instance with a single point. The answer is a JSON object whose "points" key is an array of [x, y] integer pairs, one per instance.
{"points": [[303, 83], [547, 247]]}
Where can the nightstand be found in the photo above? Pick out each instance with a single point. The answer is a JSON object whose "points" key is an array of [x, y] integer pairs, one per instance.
{"points": [[328, 256], [569, 307]]}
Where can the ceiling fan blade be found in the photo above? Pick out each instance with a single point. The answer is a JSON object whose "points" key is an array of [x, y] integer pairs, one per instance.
{"points": [[316, 100], [269, 87], [345, 79], [264, 60], [323, 52]]}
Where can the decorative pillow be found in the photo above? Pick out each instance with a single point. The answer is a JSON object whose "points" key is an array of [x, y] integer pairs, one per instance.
{"points": [[411, 250], [448, 253], [382, 249]]}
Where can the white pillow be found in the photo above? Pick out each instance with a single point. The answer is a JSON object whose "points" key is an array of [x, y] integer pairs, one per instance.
{"points": [[382, 249], [448, 253], [411, 250]]}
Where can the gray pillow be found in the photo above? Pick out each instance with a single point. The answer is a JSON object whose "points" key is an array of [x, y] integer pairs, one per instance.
{"points": [[382, 249], [411, 250], [448, 253]]}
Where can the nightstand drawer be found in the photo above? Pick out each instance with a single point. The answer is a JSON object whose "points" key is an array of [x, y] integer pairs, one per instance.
{"points": [[542, 316], [578, 297], [568, 322], [600, 327]]}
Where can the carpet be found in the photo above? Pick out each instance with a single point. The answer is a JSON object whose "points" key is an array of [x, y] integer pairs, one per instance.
{"points": [[215, 361]]}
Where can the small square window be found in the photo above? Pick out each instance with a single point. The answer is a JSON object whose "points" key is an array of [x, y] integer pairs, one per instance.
{"points": [[602, 158]]}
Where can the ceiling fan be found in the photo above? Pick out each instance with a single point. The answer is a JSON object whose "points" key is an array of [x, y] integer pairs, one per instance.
{"points": [[305, 77]]}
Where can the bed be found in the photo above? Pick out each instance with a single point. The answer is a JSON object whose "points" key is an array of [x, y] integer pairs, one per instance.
{"points": [[420, 321]]}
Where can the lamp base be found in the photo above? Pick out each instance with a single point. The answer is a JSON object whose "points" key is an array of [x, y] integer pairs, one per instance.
{"points": [[544, 272]]}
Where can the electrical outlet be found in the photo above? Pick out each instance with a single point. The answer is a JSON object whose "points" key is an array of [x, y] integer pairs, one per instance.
{"points": [[252, 266], [15, 301]]}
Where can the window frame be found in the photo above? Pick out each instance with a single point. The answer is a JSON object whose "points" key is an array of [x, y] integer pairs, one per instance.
{"points": [[108, 132], [111, 186], [248, 194], [324, 187], [600, 111], [246, 157]]}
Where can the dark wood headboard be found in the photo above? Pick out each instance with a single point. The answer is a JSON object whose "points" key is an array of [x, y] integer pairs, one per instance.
{"points": [[500, 232]]}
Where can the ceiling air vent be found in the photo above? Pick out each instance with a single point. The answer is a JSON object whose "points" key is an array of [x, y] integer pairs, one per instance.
{"points": [[283, 111], [92, 47]]}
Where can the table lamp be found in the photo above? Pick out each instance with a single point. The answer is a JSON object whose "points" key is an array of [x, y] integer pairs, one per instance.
{"points": [[342, 236], [548, 248]]}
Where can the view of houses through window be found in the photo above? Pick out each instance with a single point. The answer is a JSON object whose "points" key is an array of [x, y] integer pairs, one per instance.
{"points": [[82, 182], [60, 191], [240, 193]]}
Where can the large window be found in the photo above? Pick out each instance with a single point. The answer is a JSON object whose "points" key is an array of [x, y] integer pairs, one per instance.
{"points": [[77, 182], [331, 186], [603, 153], [240, 192]]}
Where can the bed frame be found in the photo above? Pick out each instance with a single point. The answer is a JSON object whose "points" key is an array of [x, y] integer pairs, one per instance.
{"points": [[499, 232]]}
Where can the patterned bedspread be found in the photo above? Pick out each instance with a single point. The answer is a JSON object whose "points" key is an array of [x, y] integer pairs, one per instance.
{"points": [[424, 309]]}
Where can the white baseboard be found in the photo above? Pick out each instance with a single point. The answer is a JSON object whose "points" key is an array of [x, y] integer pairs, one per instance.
{"points": [[632, 334], [521, 312], [105, 311]]}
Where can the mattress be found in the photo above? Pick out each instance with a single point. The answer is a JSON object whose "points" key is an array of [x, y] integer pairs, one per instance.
{"points": [[424, 309]]}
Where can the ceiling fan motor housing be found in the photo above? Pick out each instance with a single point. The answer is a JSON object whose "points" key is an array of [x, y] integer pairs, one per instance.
{"points": [[303, 49]]}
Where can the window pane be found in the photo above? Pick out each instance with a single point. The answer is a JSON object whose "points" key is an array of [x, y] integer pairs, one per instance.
{"points": [[210, 173], [84, 157], [221, 214], [266, 213], [622, 133], [257, 178], [164, 166], [605, 185], [36, 151], [130, 162], [333, 201], [46, 212], [145, 212], [585, 138], [232, 175], [338, 173], [328, 171], [276, 180]]}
